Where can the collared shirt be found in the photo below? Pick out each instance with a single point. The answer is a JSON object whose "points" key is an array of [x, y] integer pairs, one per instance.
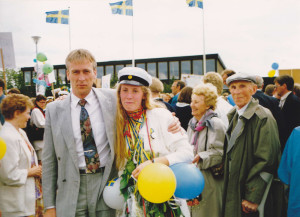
{"points": [[242, 110], [98, 126], [283, 98]]}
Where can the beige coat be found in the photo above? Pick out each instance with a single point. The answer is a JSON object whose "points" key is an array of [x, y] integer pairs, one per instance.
{"points": [[211, 203], [17, 191]]}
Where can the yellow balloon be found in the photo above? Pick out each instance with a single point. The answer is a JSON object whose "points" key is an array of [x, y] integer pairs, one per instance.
{"points": [[156, 183], [271, 73], [2, 148]]}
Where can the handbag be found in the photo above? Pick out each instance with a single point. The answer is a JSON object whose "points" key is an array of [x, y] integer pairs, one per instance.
{"points": [[34, 133], [217, 171]]}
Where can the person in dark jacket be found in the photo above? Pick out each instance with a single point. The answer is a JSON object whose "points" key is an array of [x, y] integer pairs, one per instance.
{"points": [[272, 104], [289, 103], [183, 108]]}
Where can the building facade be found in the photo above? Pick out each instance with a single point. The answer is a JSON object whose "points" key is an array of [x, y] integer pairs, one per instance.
{"points": [[165, 68]]}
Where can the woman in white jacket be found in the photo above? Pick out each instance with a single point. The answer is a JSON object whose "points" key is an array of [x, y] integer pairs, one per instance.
{"points": [[142, 135], [19, 168]]}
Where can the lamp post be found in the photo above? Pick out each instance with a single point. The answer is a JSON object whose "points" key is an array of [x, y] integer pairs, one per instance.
{"points": [[36, 40]]}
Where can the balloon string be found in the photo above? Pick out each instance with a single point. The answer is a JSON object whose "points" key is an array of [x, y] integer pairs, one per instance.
{"points": [[144, 207]]}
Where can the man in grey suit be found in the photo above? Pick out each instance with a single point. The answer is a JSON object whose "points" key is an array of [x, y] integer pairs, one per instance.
{"points": [[79, 139], [70, 187]]}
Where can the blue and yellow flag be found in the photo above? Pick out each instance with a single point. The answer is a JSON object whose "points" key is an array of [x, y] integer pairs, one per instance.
{"points": [[112, 182], [195, 3], [123, 8], [58, 17]]}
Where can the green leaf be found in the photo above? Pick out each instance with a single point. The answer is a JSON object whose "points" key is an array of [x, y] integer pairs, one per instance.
{"points": [[123, 183], [130, 166], [165, 207]]}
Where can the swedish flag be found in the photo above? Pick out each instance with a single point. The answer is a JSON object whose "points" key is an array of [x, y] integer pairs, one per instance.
{"points": [[58, 17], [112, 182], [122, 7], [195, 3]]}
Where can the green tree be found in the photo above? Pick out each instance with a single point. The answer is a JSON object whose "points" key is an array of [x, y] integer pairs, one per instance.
{"points": [[15, 79]]}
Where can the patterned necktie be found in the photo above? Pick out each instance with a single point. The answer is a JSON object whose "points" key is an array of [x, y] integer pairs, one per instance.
{"points": [[89, 146]]}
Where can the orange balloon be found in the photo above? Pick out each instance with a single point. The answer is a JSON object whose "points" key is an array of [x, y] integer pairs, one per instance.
{"points": [[157, 183]]}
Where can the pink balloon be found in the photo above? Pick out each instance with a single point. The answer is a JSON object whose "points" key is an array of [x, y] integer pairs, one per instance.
{"points": [[41, 77]]}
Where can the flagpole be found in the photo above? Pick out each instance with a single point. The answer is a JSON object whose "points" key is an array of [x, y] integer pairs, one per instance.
{"points": [[132, 35], [204, 56], [69, 29]]}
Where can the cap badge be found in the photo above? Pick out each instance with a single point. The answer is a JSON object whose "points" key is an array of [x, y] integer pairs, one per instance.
{"points": [[129, 77]]}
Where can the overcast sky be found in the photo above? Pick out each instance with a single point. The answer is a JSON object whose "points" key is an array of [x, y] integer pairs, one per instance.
{"points": [[248, 35]]}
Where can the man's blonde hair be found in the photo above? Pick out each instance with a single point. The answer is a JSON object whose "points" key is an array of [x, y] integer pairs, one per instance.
{"points": [[80, 56]]}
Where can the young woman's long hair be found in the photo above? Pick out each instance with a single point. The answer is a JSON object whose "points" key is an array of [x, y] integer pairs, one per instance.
{"points": [[120, 146]]}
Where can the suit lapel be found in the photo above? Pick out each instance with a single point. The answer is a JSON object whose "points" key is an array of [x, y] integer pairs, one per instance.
{"points": [[233, 134], [287, 102], [106, 106], [64, 112]]}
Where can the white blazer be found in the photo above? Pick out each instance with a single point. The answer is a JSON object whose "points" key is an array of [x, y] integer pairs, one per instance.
{"points": [[175, 147], [17, 191]]}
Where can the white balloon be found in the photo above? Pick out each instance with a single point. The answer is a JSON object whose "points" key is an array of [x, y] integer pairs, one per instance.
{"points": [[112, 196]]}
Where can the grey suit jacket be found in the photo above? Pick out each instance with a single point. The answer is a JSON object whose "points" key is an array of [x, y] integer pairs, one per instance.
{"points": [[61, 178]]}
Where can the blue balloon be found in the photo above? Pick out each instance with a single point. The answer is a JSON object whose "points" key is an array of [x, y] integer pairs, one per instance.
{"points": [[189, 180], [40, 82], [275, 66]]}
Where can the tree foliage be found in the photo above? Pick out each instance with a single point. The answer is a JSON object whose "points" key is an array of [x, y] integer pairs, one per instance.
{"points": [[15, 79]]}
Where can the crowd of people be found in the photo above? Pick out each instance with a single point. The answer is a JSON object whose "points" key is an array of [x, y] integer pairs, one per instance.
{"points": [[60, 155]]}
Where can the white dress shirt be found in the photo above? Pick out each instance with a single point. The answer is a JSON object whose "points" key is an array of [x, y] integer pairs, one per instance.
{"points": [[242, 110], [283, 98], [98, 126]]}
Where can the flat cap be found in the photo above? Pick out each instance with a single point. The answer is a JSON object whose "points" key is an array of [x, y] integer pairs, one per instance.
{"points": [[134, 76], [241, 77]]}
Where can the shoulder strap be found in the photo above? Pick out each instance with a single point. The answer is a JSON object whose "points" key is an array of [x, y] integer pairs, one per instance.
{"points": [[206, 138]]}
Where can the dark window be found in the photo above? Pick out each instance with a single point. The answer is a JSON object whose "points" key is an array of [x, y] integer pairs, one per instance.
{"points": [[186, 67], [109, 70], [163, 70], [140, 65], [99, 71], [197, 67], [210, 65], [151, 67], [174, 70], [62, 76], [27, 77]]}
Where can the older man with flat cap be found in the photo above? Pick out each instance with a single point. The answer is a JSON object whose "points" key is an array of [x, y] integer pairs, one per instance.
{"points": [[251, 150]]}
